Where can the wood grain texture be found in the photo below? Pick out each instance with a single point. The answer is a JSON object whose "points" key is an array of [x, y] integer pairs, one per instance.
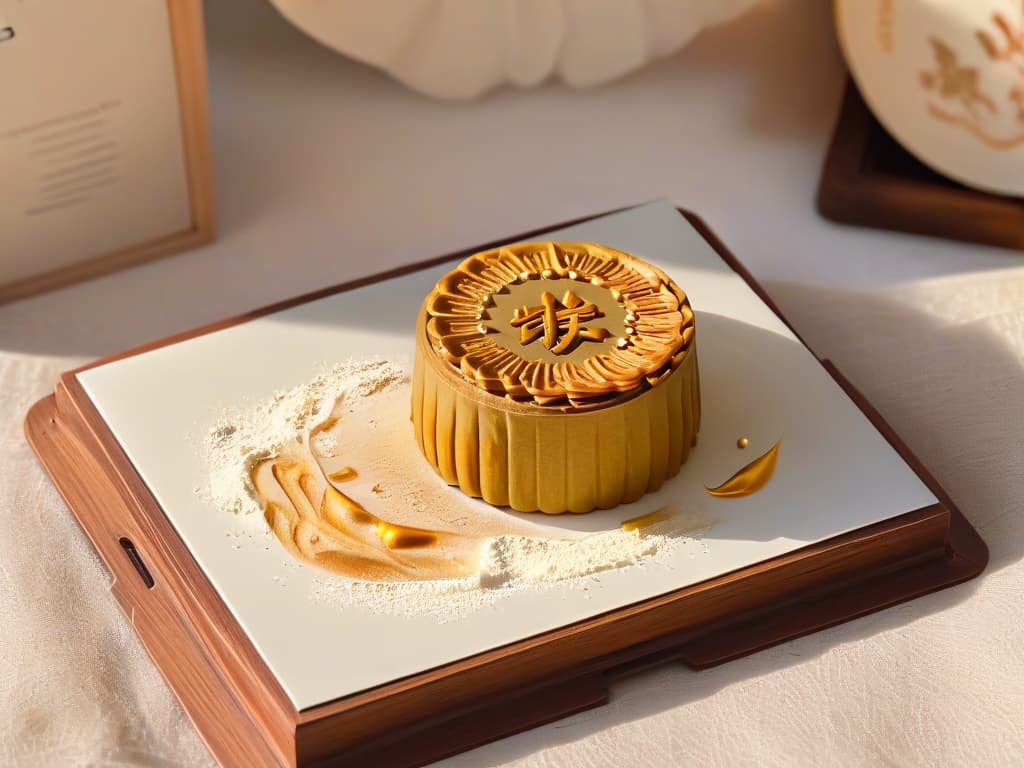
{"points": [[189, 39], [870, 180], [189, 44], [246, 719], [232, 730]]}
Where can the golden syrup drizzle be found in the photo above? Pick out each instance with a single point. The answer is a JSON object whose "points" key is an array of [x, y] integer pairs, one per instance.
{"points": [[751, 478], [742, 443], [319, 524], [397, 536], [646, 521]]}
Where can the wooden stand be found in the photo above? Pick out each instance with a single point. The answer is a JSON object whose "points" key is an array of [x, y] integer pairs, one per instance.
{"points": [[245, 717], [871, 181]]}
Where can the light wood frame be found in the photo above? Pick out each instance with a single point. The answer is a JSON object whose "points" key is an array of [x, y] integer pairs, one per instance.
{"points": [[188, 42]]}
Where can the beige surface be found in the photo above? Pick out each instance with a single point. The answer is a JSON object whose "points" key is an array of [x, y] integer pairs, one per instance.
{"points": [[933, 332]]}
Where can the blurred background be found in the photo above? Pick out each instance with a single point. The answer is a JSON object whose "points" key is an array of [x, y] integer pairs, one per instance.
{"points": [[327, 169]]}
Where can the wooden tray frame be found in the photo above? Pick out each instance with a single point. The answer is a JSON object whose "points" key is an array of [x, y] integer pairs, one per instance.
{"points": [[244, 716], [189, 43], [869, 180]]}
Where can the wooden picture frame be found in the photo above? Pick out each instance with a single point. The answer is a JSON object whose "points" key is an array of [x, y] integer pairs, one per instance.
{"points": [[187, 40], [244, 714]]}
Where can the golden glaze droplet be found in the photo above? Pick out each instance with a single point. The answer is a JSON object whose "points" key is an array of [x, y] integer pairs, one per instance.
{"points": [[645, 521], [742, 443], [343, 475], [320, 525], [751, 478], [397, 536]]}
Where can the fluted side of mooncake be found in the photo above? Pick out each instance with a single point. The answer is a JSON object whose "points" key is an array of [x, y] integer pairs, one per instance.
{"points": [[499, 451]]}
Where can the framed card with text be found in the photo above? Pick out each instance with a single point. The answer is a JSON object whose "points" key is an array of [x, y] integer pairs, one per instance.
{"points": [[104, 149]]}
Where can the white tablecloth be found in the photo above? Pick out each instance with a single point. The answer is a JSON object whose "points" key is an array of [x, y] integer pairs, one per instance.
{"points": [[317, 158]]}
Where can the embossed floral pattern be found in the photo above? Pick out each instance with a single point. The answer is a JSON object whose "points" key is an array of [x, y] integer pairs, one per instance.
{"points": [[657, 335]]}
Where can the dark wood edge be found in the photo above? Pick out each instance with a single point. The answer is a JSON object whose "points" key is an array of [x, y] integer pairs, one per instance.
{"points": [[228, 632], [850, 192], [500, 717], [844, 156]]}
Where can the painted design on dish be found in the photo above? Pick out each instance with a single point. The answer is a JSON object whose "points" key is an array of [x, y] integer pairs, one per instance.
{"points": [[883, 25], [974, 108]]}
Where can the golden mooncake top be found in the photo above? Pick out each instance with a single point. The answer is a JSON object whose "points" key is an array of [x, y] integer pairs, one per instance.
{"points": [[559, 323]]}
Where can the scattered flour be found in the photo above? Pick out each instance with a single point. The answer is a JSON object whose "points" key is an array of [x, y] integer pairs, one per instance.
{"points": [[369, 399], [514, 561], [241, 438], [324, 444], [510, 565]]}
